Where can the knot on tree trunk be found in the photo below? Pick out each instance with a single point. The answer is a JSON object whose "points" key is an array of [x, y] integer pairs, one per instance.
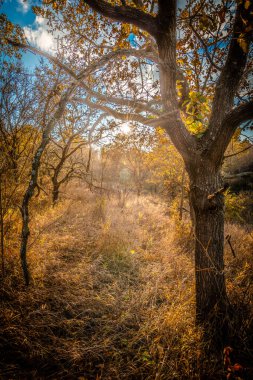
{"points": [[205, 198]]}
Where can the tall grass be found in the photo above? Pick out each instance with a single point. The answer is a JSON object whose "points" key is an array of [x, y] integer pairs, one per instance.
{"points": [[113, 295]]}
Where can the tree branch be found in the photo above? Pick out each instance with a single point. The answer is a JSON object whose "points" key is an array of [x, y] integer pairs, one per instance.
{"points": [[231, 121], [95, 65], [163, 119], [138, 105], [75, 149], [239, 175], [125, 14], [115, 54], [204, 47], [43, 54], [240, 151], [142, 106], [177, 131], [94, 126], [184, 142], [232, 71], [215, 141]]}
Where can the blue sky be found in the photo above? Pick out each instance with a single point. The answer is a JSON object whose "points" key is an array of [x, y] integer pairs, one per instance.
{"points": [[20, 12]]}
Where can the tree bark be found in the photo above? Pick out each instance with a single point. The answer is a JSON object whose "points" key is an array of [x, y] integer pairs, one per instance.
{"points": [[25, 206], [89, 159], [55, 193], [211, 297], [2, 227], [182, 196], [34, 177]]}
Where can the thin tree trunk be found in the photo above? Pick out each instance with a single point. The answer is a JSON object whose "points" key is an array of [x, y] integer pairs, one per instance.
{"points": [[182, 196], [89, 159], [55, 196], [25, 206], [33, 181], [56, 186], [2, 228]]}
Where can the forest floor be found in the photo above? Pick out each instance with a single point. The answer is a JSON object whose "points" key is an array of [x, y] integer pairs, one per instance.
{"points": [[112, 294]]}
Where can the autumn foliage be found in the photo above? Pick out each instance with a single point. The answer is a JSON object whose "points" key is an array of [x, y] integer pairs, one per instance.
{"points": [[126, 183]]}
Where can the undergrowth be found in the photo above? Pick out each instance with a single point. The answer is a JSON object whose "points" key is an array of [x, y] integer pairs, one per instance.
{"points": [[112, 295]]}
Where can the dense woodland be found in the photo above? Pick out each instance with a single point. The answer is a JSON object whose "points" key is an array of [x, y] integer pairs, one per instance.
{"points": [[126, 183]]}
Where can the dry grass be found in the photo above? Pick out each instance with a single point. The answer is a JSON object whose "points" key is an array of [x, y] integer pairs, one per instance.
{"points": [[112, 295]]}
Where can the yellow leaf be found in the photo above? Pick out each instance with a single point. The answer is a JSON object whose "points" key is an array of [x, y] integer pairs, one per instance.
{"points": [[247, 4], [243, 43], [249, 28]]}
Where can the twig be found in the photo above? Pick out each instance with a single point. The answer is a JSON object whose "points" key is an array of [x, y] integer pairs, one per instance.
{"points": [[219, 191], [240, 151], [228, 237]]}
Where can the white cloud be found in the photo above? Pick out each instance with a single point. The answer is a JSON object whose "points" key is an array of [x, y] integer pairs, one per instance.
{"points": [[39, 20], [39, 36], [23, 6]]}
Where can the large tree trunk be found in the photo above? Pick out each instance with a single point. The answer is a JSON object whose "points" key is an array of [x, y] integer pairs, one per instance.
{"points": [[208, 205]]}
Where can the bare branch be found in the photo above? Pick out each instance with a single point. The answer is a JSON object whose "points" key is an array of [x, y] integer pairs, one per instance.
{"points": [[204, 47], [239, 175], [142, 106], [97, 122], [83, 143], [97, 64], [43, 54], [136, 104], [163, 119], [240, 151], [115, 54]]}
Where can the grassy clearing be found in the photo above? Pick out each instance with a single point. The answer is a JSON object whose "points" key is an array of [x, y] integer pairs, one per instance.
{"points": [[113, 295]]}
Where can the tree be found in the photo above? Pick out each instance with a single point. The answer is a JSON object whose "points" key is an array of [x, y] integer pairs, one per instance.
{"points": [[165, 165], [17, 143], [131, 150], [222, 54], [64, 154], [53, 106], [65, 142]]}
